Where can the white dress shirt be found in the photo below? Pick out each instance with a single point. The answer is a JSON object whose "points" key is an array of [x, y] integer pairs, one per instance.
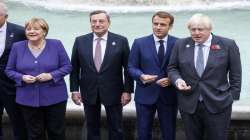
{"points": [[205, 50], [2, 38], [157, 43], [103, 44]]}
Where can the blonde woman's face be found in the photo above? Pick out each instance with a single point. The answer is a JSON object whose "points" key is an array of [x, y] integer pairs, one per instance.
{"points": [[34, 32]]}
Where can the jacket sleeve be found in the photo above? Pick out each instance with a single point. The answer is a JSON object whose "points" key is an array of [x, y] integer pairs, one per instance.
{"points": [[235, 71], [75, 73], [11, 70], [128, 81], [134, 62], [173, 65], [64, 64]]}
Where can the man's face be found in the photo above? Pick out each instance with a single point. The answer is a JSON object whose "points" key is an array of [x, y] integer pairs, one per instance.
{"points": [[161, 26], [3, 17], [99, 24], [199, 32]]}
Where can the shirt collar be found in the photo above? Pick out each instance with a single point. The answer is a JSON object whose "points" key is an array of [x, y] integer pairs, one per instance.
{"points": [[207, 43], [104, 37], [4, 27], [156, 39]]}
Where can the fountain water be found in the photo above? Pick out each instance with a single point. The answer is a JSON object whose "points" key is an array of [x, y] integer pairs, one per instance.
{"points": [[137, 5]]}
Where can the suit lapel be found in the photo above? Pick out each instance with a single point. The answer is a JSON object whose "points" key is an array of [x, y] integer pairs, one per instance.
{"points": [[89, 51], [110, 46], [189, 47], [168, 51], [152, 45], [212, 54], [9, 37]]}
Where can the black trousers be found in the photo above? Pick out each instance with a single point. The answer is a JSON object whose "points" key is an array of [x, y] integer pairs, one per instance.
{"points": [[1, 115], [203, 125], [45, 120], [8, 103], [114, 120]]}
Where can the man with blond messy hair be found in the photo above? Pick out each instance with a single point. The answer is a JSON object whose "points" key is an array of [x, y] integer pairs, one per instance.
{"points": [[206, 69]]}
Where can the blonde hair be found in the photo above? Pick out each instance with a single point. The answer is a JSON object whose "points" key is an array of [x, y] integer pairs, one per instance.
{"points": [[200, 19], [41, 22]]}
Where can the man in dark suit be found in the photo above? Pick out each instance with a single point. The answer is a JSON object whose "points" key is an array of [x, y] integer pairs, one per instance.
{"points": [[148, 62], [207, 71], [99, 61], [9, 33]]}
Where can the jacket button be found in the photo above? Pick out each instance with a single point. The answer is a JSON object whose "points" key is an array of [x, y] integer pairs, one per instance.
{"points": [[35, 61]]}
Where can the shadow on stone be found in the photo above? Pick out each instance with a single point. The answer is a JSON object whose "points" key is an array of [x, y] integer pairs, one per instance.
{"points": [[75, 129]]}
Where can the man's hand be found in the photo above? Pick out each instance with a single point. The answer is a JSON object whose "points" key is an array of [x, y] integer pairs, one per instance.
{"points": [[29, 79], [125, 98], [146, 78], [43, 77], [163, 82], [76, 97], [181, 85]]}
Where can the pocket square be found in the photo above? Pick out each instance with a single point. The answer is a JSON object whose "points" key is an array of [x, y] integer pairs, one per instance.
{"points": [[215, 47]]}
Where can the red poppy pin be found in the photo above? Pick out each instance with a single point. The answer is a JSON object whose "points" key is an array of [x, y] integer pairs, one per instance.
{"points": [[215, 47]]}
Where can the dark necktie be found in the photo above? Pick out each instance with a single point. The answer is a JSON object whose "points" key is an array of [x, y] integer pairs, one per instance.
{"points": [[161, 51], [200, 60], [98, 54]]}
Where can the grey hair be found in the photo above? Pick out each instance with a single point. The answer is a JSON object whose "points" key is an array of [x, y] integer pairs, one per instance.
{"points": [[4, 8], [200, 19], [99, 12]]}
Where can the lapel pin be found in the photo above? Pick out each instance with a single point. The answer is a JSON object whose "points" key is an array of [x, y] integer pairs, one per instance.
{"points": [[113, 43], [12, 35], [187, 46]]}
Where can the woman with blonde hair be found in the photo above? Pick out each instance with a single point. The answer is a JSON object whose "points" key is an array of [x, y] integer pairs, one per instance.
{"points": [[38, 66]]}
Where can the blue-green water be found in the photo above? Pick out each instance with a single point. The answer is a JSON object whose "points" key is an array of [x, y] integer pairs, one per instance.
{"points": [[66, 25]]}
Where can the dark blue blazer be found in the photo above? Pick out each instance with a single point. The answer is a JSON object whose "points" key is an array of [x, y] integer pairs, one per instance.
{"points": [[14, 33], [113, 78], [143, 59]]}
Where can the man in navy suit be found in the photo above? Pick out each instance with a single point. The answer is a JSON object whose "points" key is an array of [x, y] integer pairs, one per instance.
{"points": [[99, 61], [148, 62], [206, 69], [9, 33]]}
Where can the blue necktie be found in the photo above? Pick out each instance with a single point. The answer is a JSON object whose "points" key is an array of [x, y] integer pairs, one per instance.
{"points": [[200, 60], [161, 51]]}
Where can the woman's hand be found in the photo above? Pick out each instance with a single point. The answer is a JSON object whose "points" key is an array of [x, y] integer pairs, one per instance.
{"points": [[29, 79], [43, 77]]}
